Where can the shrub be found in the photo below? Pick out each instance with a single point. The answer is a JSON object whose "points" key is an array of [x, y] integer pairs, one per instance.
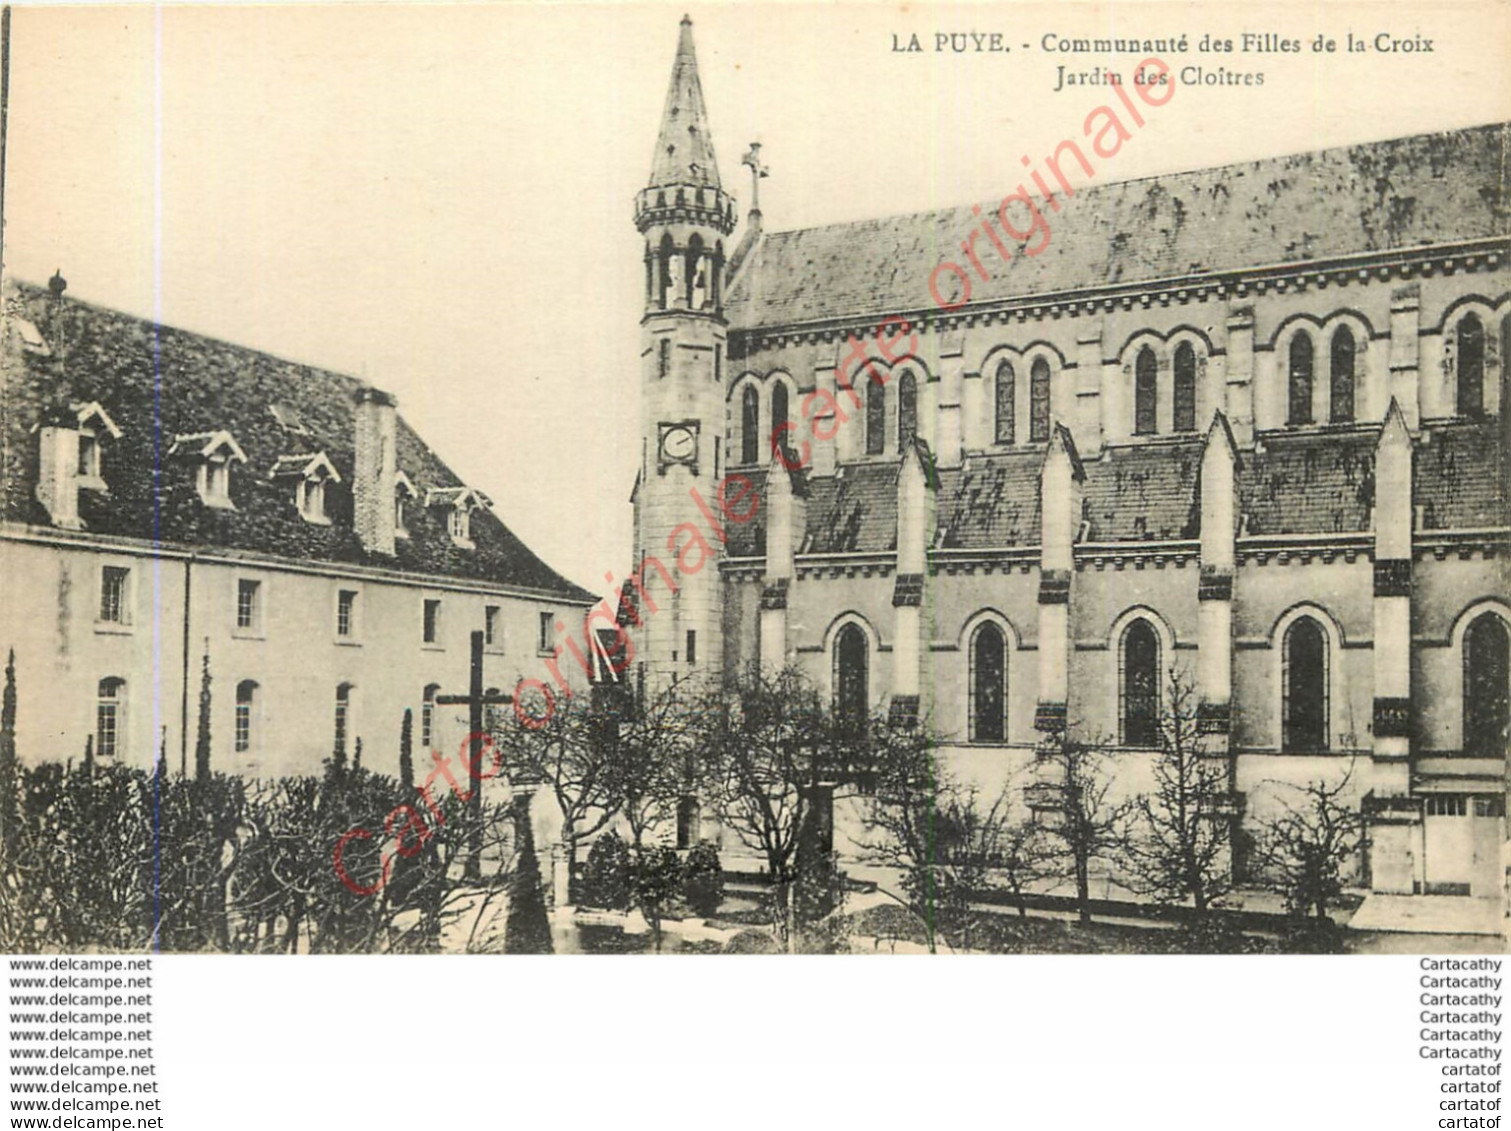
{"points": [[606, 876], [658, 877], [703, 880]]}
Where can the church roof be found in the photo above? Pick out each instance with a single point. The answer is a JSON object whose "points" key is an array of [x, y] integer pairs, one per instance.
{"points": [[164, 387], [1382, 196], [685, 147], [1316, 483]]}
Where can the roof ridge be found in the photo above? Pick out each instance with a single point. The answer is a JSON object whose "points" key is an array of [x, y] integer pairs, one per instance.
{"points": [[1095, 185]]}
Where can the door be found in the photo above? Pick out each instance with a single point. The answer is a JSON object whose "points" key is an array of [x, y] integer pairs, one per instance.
{"points": [[1462, 843]]}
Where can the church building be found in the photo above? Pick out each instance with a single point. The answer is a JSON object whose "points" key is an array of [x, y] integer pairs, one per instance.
{"points": [[1244, 423]]}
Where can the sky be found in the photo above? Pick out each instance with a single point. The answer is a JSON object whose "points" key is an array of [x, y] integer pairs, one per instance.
{"points": [[439, 198]]}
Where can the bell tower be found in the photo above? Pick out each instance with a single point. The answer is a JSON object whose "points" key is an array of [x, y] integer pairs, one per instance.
{"points": [[685, 218]]}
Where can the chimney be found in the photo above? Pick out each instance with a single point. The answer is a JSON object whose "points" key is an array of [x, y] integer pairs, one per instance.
{"points": [[57, 475], [375, 469]]}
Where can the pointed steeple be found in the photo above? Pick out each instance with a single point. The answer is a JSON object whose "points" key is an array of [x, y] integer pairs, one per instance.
{"points": [[685, 148], [684, 186]]}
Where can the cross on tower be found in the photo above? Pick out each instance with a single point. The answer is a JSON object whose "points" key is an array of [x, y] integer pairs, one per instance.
{"points": [[475, 699], [757, 171]]}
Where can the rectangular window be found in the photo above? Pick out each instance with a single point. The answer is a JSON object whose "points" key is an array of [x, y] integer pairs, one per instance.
{"points": [[718, 363], [546, 620], [107, 719], [246, 697], [664, 357], [248, 604], [106, 732], [493, 627], [346, 612], [114, 607], [692, 646], [432, 630]]}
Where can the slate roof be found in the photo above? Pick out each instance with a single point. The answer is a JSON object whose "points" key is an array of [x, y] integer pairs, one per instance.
{"points": [[1382, 196], [96, 354], [1150, 492], [1311, 483]]}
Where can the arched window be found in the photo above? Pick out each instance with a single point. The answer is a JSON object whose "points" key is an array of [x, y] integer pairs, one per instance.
{"points": [[427, 716], [876, 415], [1185, 388], [1007, 391], [664, 272], [1144, 397], [1304, 677], [696, 279], [1139, 685], [988, 690], [750, 425], [907, 409], [1342, 387], [1300, 386], [1038, 402], [1487, 687], [246, 710], [1471, 366], [110, 717], [780, 415], [852, 685], [343, 716]]}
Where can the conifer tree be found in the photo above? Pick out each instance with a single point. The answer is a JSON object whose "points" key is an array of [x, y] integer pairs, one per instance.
{"points": [[406, 753], [88, 755], [8, 782], [528, 928], [202, 735]]}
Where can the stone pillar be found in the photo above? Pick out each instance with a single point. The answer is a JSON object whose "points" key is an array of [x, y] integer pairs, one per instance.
{"points": [[916, 485], [1086, 413], [1060, 517], [1393, 827], [975, 413], [949, 429], [1214, 628], [1240, 375], [818, 423], [1405, 328]]}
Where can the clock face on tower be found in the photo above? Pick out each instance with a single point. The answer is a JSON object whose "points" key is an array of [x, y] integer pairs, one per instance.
{"points": [[678, 443]]}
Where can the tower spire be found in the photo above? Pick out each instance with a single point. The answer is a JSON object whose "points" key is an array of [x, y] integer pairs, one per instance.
{"points": [[684, 149]]}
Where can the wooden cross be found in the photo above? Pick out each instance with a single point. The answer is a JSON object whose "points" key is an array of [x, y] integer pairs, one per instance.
{"points": [[757, 171], [475, 699]]}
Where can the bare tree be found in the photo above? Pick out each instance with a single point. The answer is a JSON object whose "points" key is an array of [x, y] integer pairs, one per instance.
{"points": [[656, 763], [769, 748], [1177, 847], [1082, 818], [1306, 850], [572, 751]]}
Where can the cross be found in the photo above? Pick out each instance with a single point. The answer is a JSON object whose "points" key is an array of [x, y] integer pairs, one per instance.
{"points": [[476, 699], [757, 171]]}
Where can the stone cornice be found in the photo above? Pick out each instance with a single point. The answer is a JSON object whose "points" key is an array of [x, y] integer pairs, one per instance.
{"points": [[1378, 266]]}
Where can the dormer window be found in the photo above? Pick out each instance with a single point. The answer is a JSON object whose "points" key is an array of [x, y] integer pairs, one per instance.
{"points": [[311, 474], [459, 502], [214, 452], [95, 426], [403, 494], [312, 500], [215, 482], [89, 456]]}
